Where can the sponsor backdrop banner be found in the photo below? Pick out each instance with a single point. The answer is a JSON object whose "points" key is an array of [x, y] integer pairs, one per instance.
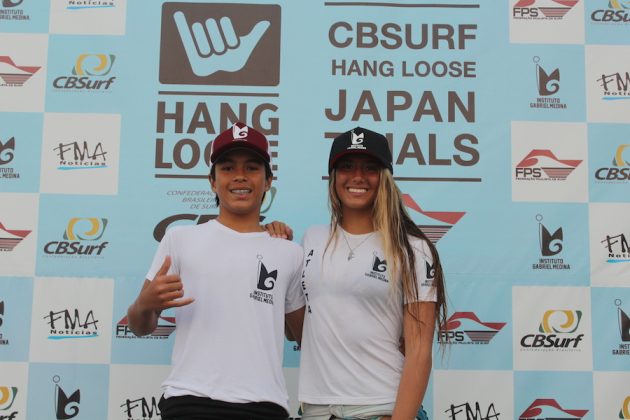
{"points": [[509, 126]]}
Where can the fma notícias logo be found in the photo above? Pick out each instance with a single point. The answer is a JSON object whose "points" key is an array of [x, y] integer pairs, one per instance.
{"points": [[71, 323], [220, 44]]}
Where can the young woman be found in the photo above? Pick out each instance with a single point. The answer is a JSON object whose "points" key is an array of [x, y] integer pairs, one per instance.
{"points": [[375, 293]]}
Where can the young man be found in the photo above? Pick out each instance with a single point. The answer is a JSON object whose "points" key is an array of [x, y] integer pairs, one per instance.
{"points": [[233, 287]]}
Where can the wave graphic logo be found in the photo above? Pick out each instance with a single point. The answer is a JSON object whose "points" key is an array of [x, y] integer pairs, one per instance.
{"points": [[445, 219], [93, 64], [7, 396], [10, 238], [85, 229], [542, 164], [550, 9], [12, 74], [561, 321], [477, 331], [618, 160], [547, 408]]}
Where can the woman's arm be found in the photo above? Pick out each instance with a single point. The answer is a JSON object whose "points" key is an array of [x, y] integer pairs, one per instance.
{"points": [[418, 334]]}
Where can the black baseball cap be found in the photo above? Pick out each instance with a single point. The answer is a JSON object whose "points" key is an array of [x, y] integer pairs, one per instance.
{"points": [[360, 140]]}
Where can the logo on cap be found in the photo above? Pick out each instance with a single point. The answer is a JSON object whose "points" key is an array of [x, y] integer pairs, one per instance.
{"points": [[239, 133], [357, 141]]}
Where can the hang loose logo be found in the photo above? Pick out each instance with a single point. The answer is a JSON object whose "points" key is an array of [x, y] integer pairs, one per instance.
{"points": [[214, 45]]}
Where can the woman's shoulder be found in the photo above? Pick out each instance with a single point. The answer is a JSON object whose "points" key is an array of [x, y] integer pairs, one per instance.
{"points": [[317, 230], [421, 247]]}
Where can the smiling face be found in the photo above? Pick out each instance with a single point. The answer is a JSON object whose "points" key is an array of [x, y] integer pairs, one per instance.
{"points": [[240, 182], [356, 183]]}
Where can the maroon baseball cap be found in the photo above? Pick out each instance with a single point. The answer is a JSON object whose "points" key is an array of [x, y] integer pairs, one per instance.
{"points": [[240, 136]]}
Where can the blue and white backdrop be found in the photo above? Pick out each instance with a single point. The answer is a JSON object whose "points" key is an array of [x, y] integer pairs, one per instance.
{"points": [[508, 122]]}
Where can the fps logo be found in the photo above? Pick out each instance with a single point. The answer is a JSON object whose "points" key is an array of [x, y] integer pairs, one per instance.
{"points": [[220, 44], [13, 75], [78, 231], [542, 9], [445, 219], [90, 73], [557, 331], [547, 408], [266, 280], [10, 238], [543, 165], [619, 171], [165, 327], [467, 328], [66, 407]]}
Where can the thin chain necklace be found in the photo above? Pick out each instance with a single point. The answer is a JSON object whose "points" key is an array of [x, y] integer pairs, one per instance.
{"points": [[351, 253]]}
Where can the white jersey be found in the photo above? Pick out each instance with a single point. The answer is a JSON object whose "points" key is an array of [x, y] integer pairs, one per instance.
{"points": [[229, 342], [353, 325]]}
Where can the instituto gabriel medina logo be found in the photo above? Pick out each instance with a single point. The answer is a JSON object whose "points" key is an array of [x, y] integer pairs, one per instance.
{"points": [[89, 73], [542, 9], [547, 408], [466, 324], [624, 413], [438, 223], [543, 165], [558, 330]]}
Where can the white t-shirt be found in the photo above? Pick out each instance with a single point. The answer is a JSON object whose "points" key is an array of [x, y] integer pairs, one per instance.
{"points": [[229, 342], [353, 325]]}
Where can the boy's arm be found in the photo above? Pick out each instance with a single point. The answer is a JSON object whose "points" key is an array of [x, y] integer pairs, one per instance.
{"points": [[293, 325], [165, 291]]}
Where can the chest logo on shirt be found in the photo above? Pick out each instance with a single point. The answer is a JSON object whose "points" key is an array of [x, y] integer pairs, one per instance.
{"points": [[379, 269], [266, 281]]}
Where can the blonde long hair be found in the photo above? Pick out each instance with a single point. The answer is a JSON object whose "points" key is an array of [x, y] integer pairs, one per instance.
{"points": [[391, 220]]}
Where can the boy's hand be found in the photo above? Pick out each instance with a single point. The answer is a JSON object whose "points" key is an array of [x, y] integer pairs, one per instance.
{"points": [[165, 291], [278, 229]]}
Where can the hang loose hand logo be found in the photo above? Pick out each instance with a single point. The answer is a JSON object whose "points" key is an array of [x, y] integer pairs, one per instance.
{"points": [[215, 46]]}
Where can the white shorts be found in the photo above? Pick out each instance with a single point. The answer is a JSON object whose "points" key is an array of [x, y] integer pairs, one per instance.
{"points": [[346, 412]]}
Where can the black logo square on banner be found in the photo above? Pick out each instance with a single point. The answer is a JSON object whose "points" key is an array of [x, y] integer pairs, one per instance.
{"points": [[220, 44]]}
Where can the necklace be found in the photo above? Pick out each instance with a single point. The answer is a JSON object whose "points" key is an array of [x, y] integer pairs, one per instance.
{"points": [[351, 253]]}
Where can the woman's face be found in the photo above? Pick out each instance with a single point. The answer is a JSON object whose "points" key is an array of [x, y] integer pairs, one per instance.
{"points": [[356, 181]]}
